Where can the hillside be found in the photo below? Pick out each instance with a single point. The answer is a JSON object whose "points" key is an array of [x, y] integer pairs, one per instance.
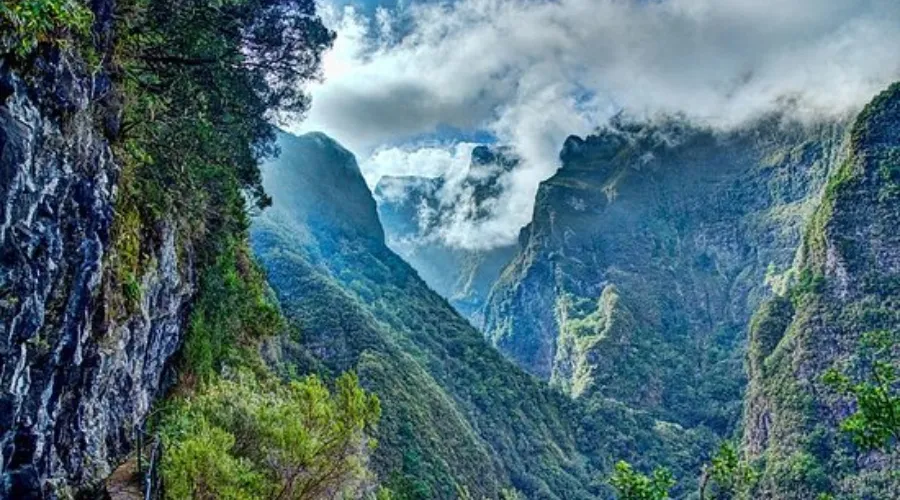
{"points": [[845, 286], [194, 304], [456, 413], [648, 252]]}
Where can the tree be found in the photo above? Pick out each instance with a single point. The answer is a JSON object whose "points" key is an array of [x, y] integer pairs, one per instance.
{"points": [[632, 485], [727, 477], [875, 390], [200, 84]]}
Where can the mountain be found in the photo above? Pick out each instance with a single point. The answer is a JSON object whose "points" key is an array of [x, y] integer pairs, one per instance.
{"points": [[416, 210], [456, 413], [846, 283], [647, 254], [128, 159], [678, 286]]}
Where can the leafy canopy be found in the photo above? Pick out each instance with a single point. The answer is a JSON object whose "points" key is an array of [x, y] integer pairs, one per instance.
{"points": [[24, 24], [728, 476], [632, 485], [248, 439], [201, 83], [875, 388]]}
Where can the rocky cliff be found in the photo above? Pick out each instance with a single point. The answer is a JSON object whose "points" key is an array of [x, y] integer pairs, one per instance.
{"points": [[79, 369], [845, 284], [648, 252]]}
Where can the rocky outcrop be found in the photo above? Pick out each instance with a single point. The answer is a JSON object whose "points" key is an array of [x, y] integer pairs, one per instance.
{"points": [[647, 253], [845, 285], [77, 372]]}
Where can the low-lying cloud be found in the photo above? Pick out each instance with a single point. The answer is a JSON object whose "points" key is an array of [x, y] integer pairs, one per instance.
{"points": [[530, 73]]}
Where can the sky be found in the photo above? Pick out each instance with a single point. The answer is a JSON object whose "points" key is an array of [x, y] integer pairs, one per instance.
{"points": [[411, 86]]}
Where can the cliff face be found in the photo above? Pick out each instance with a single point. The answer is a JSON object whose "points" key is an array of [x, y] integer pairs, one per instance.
{"points": [[456, 414], [648, 252], [77, 369], [360, 307], [416, 210], [846, 284]]}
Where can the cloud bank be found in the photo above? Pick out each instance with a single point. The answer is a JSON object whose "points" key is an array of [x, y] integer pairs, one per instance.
{"points": [[530, 73]]}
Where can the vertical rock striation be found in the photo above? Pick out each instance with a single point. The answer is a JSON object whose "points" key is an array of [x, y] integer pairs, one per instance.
{"points": [[77, 372], [847, 284]]}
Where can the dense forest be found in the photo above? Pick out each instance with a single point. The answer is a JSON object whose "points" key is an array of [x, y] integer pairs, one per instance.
{"points": [[197, 304]]}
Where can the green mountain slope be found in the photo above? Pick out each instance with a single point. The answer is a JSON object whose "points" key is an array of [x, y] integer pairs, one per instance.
{"points": [[847, 283], [456, 414], [648, 252]]}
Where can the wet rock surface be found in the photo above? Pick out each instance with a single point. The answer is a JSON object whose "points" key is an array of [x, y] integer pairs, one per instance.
{"points": [[76, 373]]}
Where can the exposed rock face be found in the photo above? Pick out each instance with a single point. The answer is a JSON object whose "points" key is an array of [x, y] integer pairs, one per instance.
{"points": [[456, 413], [847, 284], [416, 210], [76, 372], [648, 252]]}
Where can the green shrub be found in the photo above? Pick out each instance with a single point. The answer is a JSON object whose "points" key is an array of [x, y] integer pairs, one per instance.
{"points": [[231, 312], [27, 23], [728, 477], [875, 423], [632, 485], [247, 438]]}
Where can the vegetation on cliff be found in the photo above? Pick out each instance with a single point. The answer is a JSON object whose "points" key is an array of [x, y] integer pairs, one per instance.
{"points": [[245, 438], [844, 292], [643, 370], [188, 94], [25, 24], [456, 414]]}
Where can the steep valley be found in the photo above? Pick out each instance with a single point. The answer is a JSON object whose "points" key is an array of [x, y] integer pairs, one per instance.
{"points": [[647, 254], [456, 413], [196, 304], [416, 211]]}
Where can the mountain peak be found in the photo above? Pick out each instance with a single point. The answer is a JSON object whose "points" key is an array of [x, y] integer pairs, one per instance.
{"points": [[316, 182]]}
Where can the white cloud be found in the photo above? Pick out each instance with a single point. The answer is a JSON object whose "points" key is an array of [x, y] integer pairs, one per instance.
{"points": [[449, 160], [533, 72]]}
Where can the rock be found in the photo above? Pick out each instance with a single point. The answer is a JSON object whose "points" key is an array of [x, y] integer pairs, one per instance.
{"points": [[684, 224], [76, 375]]}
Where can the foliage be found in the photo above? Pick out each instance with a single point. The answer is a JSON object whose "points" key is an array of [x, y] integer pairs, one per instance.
{"points": [[632, 485], [456, 413], [767, 327], [25, 24], [200, 83], [231, 312], [728, 477], [250, 438], [505, 494], [875, 423], [797, 407]]}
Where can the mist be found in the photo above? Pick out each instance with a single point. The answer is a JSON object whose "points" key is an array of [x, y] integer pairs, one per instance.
{"points": [[528, 74]]}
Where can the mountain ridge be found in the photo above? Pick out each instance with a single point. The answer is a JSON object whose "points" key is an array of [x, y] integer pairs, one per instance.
{"points": [[642, 233], [398, 334]]}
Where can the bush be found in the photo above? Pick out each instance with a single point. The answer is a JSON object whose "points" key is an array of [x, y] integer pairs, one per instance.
{"points": [[632, 485], [25, 24], [231, 312], [246, 438]]}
